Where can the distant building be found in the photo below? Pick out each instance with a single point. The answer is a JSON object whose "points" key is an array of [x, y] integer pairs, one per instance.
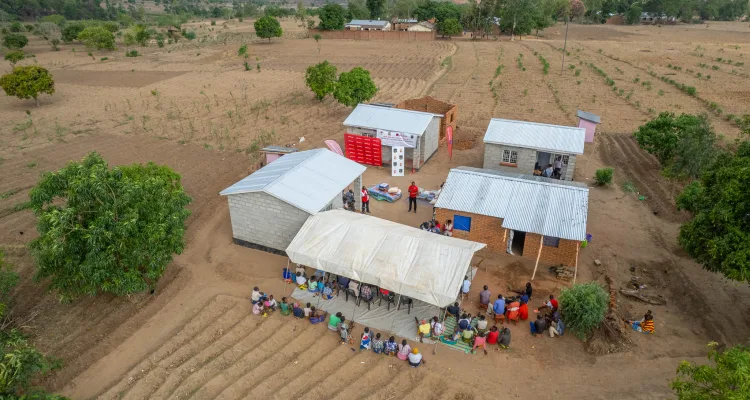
{"points": [[402, 24], [368, 25], [434, 106], [424, 26]]}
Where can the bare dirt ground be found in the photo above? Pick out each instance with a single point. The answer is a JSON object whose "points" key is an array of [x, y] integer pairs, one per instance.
{"points": [[192, 106]]}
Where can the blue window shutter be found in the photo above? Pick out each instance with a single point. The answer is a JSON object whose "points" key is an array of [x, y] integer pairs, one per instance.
{"points": [[462, 223]]}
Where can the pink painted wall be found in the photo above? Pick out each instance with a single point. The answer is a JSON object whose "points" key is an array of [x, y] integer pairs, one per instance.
{"points": [[590, 128], [273, 157]]}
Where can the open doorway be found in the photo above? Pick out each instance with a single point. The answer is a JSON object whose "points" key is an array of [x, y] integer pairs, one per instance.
{"points": [[519, 238]]}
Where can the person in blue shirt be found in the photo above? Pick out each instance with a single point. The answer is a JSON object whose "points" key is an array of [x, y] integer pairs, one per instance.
{"points": [[499, 307], [464, 322]]}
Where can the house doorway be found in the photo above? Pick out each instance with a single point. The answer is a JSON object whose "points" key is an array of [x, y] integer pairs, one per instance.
{"points": [[519, 238], [542, 160]]}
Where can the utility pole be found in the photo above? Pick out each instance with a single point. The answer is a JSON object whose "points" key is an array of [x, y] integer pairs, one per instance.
{"points": [[565, 45]]}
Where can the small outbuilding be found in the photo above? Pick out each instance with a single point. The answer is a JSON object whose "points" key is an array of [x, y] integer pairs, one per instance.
{"points": [[268, 207], [588, 121], [368, 25], [528, 147], [373, 130], [531, 216], [424, 26], [434, 106]]}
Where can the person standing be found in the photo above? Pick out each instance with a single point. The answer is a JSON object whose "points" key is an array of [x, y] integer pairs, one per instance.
{"points": [[558, 167], [413, 191], [365, 200]]}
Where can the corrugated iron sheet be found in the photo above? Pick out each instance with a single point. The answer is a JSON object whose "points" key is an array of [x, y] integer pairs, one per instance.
{"points": [[589, 116], [390, 119], [307, 180], [525, 203], [532, 135]]}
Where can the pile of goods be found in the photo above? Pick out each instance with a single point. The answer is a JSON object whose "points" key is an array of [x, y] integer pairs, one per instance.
{"points": [[562, 272], [383, 191]]}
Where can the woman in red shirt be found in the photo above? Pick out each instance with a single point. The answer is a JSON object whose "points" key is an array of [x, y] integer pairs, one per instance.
{"points": [[493, 335], [523, 311], [365, 200], [413, 191]]}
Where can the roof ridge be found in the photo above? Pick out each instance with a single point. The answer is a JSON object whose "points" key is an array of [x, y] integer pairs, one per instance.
{"points": [[460, 169], [402, 109], [515, 121], [305, 160]]}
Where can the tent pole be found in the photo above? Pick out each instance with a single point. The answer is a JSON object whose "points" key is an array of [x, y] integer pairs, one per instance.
{"points": [[438, 341], [320, 294], [575, 271], [390, 330], [541, 242], [286, 284]]}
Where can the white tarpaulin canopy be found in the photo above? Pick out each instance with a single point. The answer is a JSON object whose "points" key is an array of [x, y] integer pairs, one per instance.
{"points": [[409, 261]]}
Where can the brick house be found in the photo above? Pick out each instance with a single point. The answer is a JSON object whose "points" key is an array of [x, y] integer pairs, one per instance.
{"points": [[268, 207], [434, 106], [528, 147], [532, 212]]}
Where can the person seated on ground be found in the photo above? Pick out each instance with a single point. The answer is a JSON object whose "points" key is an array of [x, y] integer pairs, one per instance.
{"points": [[438, 226], [448, 231], [301, 281], [493, 335], [403, 350], [366, 340], [391, 347], [334, 321], [464, 322], [377, 345], [415, 358], [257, 295], [423, 329], [547, 173], [556, 327], [426, 226], [300, 270], [308, 310], [270, 304], [354, 288], [365, 293], [327, 292], [436, 327], [468, 334], [538, 326], [525, 291], [479, 341], [484, 298], [453, 310], [504, 341], [646, 325], [498, 308], [523, 311], [312, 286], [482, 324], [258, 308], [317, 317], [284, 307], [552, 305], [511, 311], [344, 329], [297, 311]]}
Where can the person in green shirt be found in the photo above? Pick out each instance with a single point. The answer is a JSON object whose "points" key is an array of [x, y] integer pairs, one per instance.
{"points": [[285, 308], [334, 321]]}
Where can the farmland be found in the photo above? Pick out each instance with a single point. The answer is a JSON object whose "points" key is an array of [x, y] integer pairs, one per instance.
{"points": [[194, 107]]}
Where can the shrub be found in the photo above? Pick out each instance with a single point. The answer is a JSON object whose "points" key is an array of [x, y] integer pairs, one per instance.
{"points": [[30, 28], [142, 35], [56, 19], [720, 379], [96, 37], [132, 53], [213, 23], [28, 82], [14, 56], [242, 51], [104, 59], [267, 27], [110, 26], [55, 43], [189, 35], [70, 31], [160, 40], [15, 27], [15, 41], [354, 87], [603, 176], [321, 79], [583, 307]]}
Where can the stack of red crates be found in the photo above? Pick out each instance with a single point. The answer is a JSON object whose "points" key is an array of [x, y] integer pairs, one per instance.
{"points": [[363, 149]]}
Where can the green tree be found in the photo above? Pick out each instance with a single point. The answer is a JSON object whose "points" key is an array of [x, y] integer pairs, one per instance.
{"points": [[354, 87], [518, 17], [331, 17], [14, 56], [107, 230], [321, 79], [142, 34], [96, 37], [724, 378], [633, 15], [718, 236], [28, 82], [583, 307], [71, 30], [56, 19], [317, 37], [376, 8], [15, 27], [404, 8], [15, 41], [357, 9], [449, 27], [267, 27]]}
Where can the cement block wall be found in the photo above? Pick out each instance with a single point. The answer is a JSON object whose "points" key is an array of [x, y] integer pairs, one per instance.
{"points": [[430, 140], [564, 253], [571, 168], [259, 218], [493, 159], [484, 229]]}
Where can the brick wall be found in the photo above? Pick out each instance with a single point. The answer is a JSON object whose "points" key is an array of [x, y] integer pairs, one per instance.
{"points": [[374, 35], [564, 254], [493, 157], [484, 229], [259, 218], [432, 105]]}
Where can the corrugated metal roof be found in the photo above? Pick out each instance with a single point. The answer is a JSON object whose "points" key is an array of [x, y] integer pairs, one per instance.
{"points": [[368, 22], [533, 135], [526, 203], [279, 149], [589, 116], [307, 180], [390, 119]]}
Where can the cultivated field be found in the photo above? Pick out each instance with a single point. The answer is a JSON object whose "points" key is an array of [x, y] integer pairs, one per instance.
{"points": [[193, 107]]}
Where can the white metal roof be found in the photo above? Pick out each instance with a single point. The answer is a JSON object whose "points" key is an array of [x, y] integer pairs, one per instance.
{"points": [[533, 135], [526, 203], [390, 119], [370, 22], [307, 180], [407, 260]]}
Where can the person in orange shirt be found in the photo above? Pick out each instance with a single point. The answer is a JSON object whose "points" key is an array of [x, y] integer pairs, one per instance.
{"points": [[523, 311], [413, 191]]}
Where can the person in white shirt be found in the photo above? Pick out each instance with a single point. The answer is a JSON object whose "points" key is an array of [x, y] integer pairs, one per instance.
{"points": [[448, 228], [558, 167], [415, 358], [300, 269], [548, 172], [300, 279], [256, 296], [467, 285], [437, 327], [354, 287]]}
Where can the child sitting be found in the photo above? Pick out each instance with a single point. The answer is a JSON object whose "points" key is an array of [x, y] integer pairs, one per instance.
{"points": [[301, 281], [327, 292], [258, 308], [284, 307], [270, 304]]}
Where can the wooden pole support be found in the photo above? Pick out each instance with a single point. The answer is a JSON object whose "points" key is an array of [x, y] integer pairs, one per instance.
{"points": [[575, 271], [538, 255]]}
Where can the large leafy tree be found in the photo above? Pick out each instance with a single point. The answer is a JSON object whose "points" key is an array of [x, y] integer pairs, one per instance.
{"points": [[331, 17], [583, 307], [15, 41], [449, 27], [724, 378], [718, 236], [519, 17], [28, 82], [267, 27], [96, 37], [376, 8], [107, 230], [357, 9], [71, 30], [354, 87], [321, 79]]}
